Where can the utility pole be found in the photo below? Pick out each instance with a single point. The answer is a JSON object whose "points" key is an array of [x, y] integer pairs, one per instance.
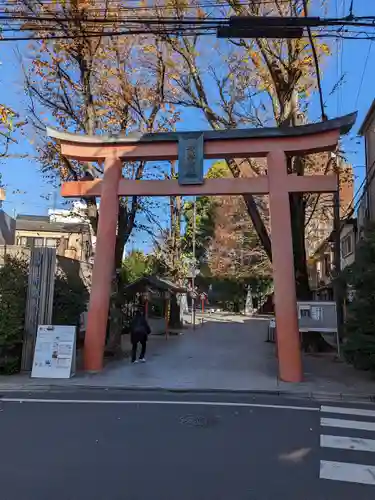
{"points": [[194, 262], [54, 200], [337, 263], [2, 196]]}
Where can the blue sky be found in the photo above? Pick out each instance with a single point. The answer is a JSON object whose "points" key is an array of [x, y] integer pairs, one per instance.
{"points": [[356, 60]]}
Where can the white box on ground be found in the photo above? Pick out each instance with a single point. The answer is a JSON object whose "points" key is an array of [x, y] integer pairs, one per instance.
{"points": [[55, 352]]}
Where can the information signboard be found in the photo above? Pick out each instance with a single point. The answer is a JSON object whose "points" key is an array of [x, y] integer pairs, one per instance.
{"points": [[55, 352], [317, 316]]}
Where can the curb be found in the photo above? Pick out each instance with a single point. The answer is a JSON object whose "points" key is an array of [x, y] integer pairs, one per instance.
{"points": [[316, 396]]}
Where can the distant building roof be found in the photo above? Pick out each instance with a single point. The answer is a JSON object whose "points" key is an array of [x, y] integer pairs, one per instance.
{"points": [[369, 118], [44, 218], [154, 282], [41, 223]]}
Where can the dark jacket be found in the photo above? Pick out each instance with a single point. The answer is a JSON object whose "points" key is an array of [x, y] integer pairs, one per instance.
{"points": [[139, 329]]}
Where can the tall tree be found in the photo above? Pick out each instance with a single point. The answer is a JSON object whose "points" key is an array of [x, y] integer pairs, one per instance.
{"points": [[136, 265], [10, 123], [83, 79], [234, 251], [174, 234], [250, 82], [7, 126], [205, 216], [204, 227], [86, 81], [227, 245]]}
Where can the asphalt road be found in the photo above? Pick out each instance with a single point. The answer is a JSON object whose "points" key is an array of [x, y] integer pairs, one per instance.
{"points": [[112, 445]]}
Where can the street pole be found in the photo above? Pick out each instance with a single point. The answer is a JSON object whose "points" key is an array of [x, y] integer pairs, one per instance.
{"points": [[193, 267], [337, 264]]}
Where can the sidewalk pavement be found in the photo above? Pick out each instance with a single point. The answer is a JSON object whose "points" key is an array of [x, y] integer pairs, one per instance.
{"points": [[227, 353]]}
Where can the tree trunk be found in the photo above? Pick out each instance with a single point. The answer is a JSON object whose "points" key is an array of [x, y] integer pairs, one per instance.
{"points": [[175, 316], [311, 341], [297, 209], [124, 228]]}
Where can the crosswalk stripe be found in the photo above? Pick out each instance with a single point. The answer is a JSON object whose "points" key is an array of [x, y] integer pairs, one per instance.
{"points": [[348, 411], [347, 443], [347, 424], [350, 473]]}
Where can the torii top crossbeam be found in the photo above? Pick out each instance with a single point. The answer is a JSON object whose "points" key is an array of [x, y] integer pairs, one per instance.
{"points": [[240, 143], [191, 147]]}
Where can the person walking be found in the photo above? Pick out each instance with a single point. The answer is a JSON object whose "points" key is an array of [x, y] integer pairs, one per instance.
{"points": [[139, 332]]}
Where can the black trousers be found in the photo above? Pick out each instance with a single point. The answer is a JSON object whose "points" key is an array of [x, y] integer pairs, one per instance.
{"points": [[143, 343]]}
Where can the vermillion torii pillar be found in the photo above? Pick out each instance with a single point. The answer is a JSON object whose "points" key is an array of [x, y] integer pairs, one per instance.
{"points": [[275, 144]]}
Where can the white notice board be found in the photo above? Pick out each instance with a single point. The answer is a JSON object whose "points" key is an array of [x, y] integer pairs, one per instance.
{"points": [[55, 352]]}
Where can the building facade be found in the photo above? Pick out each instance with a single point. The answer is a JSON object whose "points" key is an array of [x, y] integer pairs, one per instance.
{"points": [[367, 131], [321, 263], [319, 211], [72, 240], [321, 260]]}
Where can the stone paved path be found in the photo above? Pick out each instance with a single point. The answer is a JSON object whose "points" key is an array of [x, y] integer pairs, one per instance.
{"points": [[226, 353]]}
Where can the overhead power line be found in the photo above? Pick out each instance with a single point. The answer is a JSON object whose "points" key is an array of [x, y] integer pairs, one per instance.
{"points": [[317, 68], [363, 72], [113, 17], [250, 26], [323, 35], [119, 5]]}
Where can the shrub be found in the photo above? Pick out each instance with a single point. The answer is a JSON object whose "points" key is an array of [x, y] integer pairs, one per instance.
{"points": [[359, 347], [70, 299], [13, 289]]}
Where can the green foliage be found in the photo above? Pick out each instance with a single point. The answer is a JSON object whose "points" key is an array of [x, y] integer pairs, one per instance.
{"points": [[136, 265], [13, 289], [359, 347], [218, 170], [70, 299], [205, 215], [205, 225], [230, 293]]}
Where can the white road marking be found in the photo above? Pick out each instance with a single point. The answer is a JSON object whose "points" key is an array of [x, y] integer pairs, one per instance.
{"points": [[347, 424], [156, 402], [347, 443], [350, 473], [348, 411], [345, 471]]}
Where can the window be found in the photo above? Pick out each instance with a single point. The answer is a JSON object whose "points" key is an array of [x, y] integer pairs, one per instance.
{"points": [[52, 242], [38, 242], [347, 246], [22, 241], [34, 242]]}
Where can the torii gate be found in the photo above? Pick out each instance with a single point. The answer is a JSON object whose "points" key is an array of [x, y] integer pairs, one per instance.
{"points": [[275, 144]]}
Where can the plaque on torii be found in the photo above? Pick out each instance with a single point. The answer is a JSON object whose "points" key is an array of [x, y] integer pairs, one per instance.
{"points": [[275, 144], [190, 159]]}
